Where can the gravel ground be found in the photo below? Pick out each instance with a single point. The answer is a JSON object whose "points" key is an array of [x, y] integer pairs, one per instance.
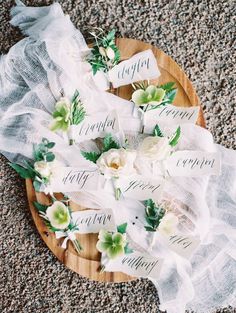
{"points": [[200, 36]]}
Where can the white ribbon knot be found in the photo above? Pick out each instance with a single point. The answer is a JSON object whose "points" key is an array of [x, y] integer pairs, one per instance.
{"points": [[70, 235]]}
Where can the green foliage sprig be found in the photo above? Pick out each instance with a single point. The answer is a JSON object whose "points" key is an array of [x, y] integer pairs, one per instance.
{"points": [[40, 153], [153, 215], [104, 53]]}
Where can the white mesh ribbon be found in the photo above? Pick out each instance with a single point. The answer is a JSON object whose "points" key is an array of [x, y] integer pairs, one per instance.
{"points": [[51, 60]]}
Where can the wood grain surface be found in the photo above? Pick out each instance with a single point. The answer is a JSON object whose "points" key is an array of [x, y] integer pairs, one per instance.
{"points": [[88, 262]]}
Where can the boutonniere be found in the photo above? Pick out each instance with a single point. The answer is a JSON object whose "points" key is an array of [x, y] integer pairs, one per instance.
{"points": [[113, 161], [68, 112], [113, 244], [159, 219], [104, 53], [57, 217], [158, 147], [149, 97], [41, 168]]}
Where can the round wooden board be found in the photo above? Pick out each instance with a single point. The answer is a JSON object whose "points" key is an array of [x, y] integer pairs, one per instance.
{"points": [[88, 262]]}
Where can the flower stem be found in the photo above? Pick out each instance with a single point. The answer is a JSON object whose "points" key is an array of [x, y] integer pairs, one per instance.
{"points": [[117, 193], [77, 246]]}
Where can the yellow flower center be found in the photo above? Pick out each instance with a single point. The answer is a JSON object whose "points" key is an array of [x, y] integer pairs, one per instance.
{"points": [[114, 165]]}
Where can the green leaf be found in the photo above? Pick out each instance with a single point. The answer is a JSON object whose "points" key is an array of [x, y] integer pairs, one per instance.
{"points": [[122, 228], [109, 143], [50, 157], [23, 172], [50, 145], [37, 185], [170, 95], [157, 131], [175, 138], [40, 207], [128, 249], [168, 86], [78, 110], [91, 156]]}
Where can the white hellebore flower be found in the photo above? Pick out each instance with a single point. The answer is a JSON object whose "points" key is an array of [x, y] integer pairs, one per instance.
{"points": [[155, 148], [117, 163], [58, 215], [43, 168], [168, 224]]}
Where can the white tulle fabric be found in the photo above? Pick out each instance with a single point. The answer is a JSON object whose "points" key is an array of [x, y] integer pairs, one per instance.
{"points": [[50, 60]]}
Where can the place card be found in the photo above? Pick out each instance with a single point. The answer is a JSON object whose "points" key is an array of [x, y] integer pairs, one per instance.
{"points": [[96, 126], [171, 114], [183, 245], [141, 66], [92, 221], [69, 179], [140, 187], [193, 163], [136, 264]]}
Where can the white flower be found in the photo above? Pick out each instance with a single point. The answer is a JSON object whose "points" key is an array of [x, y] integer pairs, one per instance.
{"points": [[117, 162], [58, 215], [168, 224], [155, 148], [110, 53], [43, 168]]}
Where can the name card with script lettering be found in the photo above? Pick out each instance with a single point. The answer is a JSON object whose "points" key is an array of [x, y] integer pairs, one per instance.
{"points": [[136, 264], [91, 221], [96, 126], [141, 188], [193, 163], [69, 179], [171, 114], [141, 66], [182, 244]]}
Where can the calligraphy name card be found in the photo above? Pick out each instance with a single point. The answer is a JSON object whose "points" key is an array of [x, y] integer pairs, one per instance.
{"points": [[136, 264], [183, 245], [69, 179], [141, 188], [171, 114], [91, 221], [193, 163], [96, 126], [141, 66]]}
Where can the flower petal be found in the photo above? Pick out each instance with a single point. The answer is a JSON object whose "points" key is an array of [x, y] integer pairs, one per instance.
{"points": [[102, 246], [160, 94], [115, 251], [105, 236], [139, 97]]}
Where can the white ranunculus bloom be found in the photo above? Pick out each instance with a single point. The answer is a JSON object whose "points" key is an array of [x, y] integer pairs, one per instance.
{"points": [[117, 163], [58, 215], [155, 148], [168, 224], [43, 168]]}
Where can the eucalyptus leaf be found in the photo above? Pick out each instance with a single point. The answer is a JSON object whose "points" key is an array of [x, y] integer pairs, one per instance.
{"points": [[122, 228]]}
